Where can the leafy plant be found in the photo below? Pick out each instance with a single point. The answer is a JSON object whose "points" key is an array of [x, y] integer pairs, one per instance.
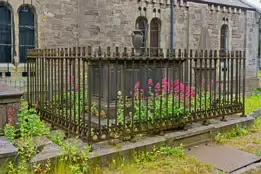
{"points": [[43, 169], [30, 123], [238, 131], [176, 151], [26, 148], [76, 160], [22, 168], [9, 130]]}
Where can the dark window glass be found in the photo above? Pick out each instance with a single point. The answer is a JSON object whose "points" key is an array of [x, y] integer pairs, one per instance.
{"points": [[5, 34], [26, 32]]}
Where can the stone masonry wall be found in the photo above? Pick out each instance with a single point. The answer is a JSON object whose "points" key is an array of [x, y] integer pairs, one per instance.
{"points": [[110, 23]]}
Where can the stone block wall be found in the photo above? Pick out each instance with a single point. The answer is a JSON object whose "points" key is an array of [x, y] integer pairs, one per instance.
{"points": [[67, 23]]}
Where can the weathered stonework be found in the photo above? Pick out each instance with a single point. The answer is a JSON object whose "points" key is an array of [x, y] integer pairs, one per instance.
{"points": [[110, 23], [9, 100]]}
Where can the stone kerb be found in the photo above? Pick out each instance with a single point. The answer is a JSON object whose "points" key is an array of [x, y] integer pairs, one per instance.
{"points": [[9, 100]]}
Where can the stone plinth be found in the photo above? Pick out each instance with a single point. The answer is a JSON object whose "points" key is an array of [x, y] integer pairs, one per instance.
{"points": [[9, 100], [7, 151]]}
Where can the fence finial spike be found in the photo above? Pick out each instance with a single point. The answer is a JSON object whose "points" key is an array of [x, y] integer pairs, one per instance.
{"points": [[89, 51], [79, 51], [125, 52], [179, 53], [83, 51], [108, 51], [117, 52], [99, 51], [210, 53], [132, 52]]}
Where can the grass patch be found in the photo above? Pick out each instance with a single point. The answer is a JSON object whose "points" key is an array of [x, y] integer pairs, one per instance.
{"points": [[253, 103], [248, 140], [164, 160]]}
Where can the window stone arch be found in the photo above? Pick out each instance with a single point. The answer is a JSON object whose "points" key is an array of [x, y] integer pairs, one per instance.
{"points": [[142, 25], [155, 27], [6, 33], [27, 30]]}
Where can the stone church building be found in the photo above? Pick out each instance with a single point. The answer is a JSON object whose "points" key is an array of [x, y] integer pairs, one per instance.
{"points": [[197, 24]]}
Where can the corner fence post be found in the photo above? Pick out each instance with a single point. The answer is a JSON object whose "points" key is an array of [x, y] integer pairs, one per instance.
{"points": [[244, 83]]}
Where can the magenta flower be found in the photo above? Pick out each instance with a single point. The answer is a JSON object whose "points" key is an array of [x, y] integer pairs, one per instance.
{"points": [[72, 78], [208, 86], [36, 105], [137, 86], [150, 83], [11, 111]]}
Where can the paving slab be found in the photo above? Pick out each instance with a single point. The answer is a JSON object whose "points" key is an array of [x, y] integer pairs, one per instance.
{"points": [[222, 157]]}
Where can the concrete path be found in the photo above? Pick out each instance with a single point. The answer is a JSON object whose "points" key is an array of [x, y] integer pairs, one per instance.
{"points": [[226, 159]]}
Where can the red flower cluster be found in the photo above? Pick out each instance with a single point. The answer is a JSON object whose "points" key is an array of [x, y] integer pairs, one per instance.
{"points": [[72, 80], [10, 117]]}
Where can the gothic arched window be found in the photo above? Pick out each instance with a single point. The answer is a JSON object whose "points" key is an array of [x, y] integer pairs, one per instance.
{"points": [[26, 31], [5, 34], [141, 24], [155, 25], [224, 39]]}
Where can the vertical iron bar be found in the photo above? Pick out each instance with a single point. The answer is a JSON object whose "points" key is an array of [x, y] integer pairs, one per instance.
{"points": [[232, 77], [244, 82], [201, 81], [219, 80]]}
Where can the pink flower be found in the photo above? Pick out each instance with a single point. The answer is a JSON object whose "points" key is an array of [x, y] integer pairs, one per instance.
{"points": [[10, 123], [27, 109], [158, 86], [11, 111], [203, 81], [142, 91], [137, 86], [212, 81], [76, 87], [72, 78], [208, 86], [68, 80], [150, 83], [36, 105]]}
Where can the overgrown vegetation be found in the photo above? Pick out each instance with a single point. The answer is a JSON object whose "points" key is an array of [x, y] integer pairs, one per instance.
{"points": [[162, 160], [248, 140], [253, 103]]}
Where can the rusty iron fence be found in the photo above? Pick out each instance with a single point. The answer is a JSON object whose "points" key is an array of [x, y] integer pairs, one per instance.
{"points": [[104, 95]]}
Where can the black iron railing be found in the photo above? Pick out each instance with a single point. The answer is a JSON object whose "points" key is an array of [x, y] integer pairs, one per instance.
{"points": [[103, 96]]}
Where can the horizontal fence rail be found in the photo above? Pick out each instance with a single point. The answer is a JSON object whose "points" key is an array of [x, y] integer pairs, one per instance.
{"points": [[111, 95]]}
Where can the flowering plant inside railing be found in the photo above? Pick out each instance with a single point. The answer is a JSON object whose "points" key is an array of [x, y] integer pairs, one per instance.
{"points": [[165, 100], [161, 100], [73, 100]]}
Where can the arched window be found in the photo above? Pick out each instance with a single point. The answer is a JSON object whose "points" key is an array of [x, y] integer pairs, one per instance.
{"points": [[155, 36], [26, 31], [224, 39], [5, 34], [141, 24]]}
